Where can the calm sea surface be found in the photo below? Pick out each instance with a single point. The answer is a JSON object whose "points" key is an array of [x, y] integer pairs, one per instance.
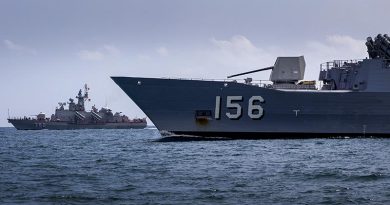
{"points": [[132, 167]]}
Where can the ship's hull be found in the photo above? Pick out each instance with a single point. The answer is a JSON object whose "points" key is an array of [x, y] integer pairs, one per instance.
{"points": [[27, 124], [69, 126], [22, 124], [172, 104]]}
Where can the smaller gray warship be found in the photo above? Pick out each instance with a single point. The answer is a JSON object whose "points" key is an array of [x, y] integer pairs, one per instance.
{"points": [[76, 117]]}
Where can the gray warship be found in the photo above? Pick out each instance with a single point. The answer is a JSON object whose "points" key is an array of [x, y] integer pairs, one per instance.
{"points": [[351, 98], [76, 117]]}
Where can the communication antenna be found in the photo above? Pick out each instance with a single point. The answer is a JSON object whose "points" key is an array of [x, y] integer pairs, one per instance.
{"points": [[86, 89], [8, 114]]}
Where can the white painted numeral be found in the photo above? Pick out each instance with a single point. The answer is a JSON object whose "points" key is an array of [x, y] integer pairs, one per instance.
{"points": [[231, 104], [217, 113], [255, 110], [252, 107]]}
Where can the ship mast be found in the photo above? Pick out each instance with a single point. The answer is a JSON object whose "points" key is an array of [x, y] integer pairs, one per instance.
{"points": [[81, 99]]}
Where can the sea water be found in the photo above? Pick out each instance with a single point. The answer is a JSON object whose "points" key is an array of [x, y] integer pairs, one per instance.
{"points": [[135, 167]]}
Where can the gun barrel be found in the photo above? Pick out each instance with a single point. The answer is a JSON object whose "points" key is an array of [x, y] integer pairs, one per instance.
{"points": [[249, 72]]}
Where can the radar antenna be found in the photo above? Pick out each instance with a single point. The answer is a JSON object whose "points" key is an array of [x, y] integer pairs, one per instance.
{"points": [[61, 104]]}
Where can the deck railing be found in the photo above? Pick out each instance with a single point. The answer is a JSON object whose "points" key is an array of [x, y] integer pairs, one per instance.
{"points": [[260, 83], [339, 64]]}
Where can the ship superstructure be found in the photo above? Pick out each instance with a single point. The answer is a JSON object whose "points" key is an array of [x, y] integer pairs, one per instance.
{"points": [[76, 117], [351, 99]]}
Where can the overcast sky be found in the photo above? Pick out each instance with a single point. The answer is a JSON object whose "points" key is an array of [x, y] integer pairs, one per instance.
{"points": [[49, 49]]}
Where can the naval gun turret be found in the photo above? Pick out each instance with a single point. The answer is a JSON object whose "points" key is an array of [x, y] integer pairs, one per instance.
{"points": [[287, 71]]}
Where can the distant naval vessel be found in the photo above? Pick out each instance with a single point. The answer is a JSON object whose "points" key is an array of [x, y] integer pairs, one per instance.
{"points": [[76, 117], [352, 98]]}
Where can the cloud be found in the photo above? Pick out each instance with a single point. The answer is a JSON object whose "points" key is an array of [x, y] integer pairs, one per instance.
{"points": [[238, 54], [90, 55], [354, 45], [111, 50], [101, 53], [19, 48], [238, 44], [338, 46], [162, 51], [143, 57]]}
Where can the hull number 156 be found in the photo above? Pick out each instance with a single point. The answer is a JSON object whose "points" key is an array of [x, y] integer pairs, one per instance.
{"points": [[234, 109]]}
